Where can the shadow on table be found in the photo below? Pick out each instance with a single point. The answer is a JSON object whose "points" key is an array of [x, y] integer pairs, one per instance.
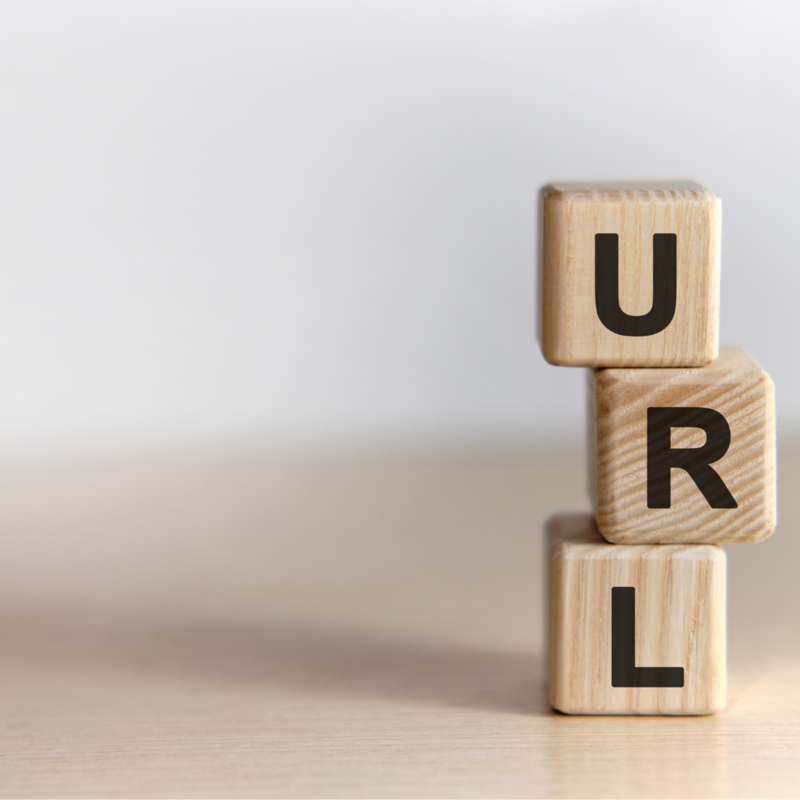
{"points": [[325, 661]]}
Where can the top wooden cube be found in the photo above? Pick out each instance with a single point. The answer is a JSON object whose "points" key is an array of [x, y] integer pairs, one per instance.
{"points": [[629, 274]]}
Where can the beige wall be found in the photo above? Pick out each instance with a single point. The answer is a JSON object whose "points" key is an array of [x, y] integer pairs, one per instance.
{"points": [[240, 222]]}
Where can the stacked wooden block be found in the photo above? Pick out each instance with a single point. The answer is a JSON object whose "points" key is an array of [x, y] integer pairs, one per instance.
{"points": [[682, 448]]}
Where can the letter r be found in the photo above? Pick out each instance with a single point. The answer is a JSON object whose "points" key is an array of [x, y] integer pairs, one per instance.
{"points": [[662, 457]]}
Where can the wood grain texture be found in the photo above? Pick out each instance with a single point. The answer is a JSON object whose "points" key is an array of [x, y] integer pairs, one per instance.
{"points": [[680, 621], [571, 332], [735, 386]]}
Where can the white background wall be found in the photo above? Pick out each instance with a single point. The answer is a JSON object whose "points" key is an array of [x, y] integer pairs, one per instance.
{"points": [[271, 223]]}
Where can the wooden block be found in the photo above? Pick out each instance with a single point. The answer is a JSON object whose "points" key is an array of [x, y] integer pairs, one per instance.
{"points": [[634, 629], [629, 274], [684, 455]]}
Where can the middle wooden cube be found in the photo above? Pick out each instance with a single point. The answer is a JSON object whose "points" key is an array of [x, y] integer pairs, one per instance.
{"points": [[683, 455]]}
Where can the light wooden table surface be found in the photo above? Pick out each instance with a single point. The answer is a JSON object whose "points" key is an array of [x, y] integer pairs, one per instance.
{"points": [[344, 626]]}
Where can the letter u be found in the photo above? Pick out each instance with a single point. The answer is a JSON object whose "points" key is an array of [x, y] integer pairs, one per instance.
{"points": [[606, 286]]}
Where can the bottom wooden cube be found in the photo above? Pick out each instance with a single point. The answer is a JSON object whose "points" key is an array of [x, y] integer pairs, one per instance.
{"points": [[634, 629]]}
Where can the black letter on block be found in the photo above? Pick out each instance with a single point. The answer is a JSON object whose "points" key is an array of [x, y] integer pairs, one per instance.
{"points": [[624, 671], [662, 457], [606, 285]]}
